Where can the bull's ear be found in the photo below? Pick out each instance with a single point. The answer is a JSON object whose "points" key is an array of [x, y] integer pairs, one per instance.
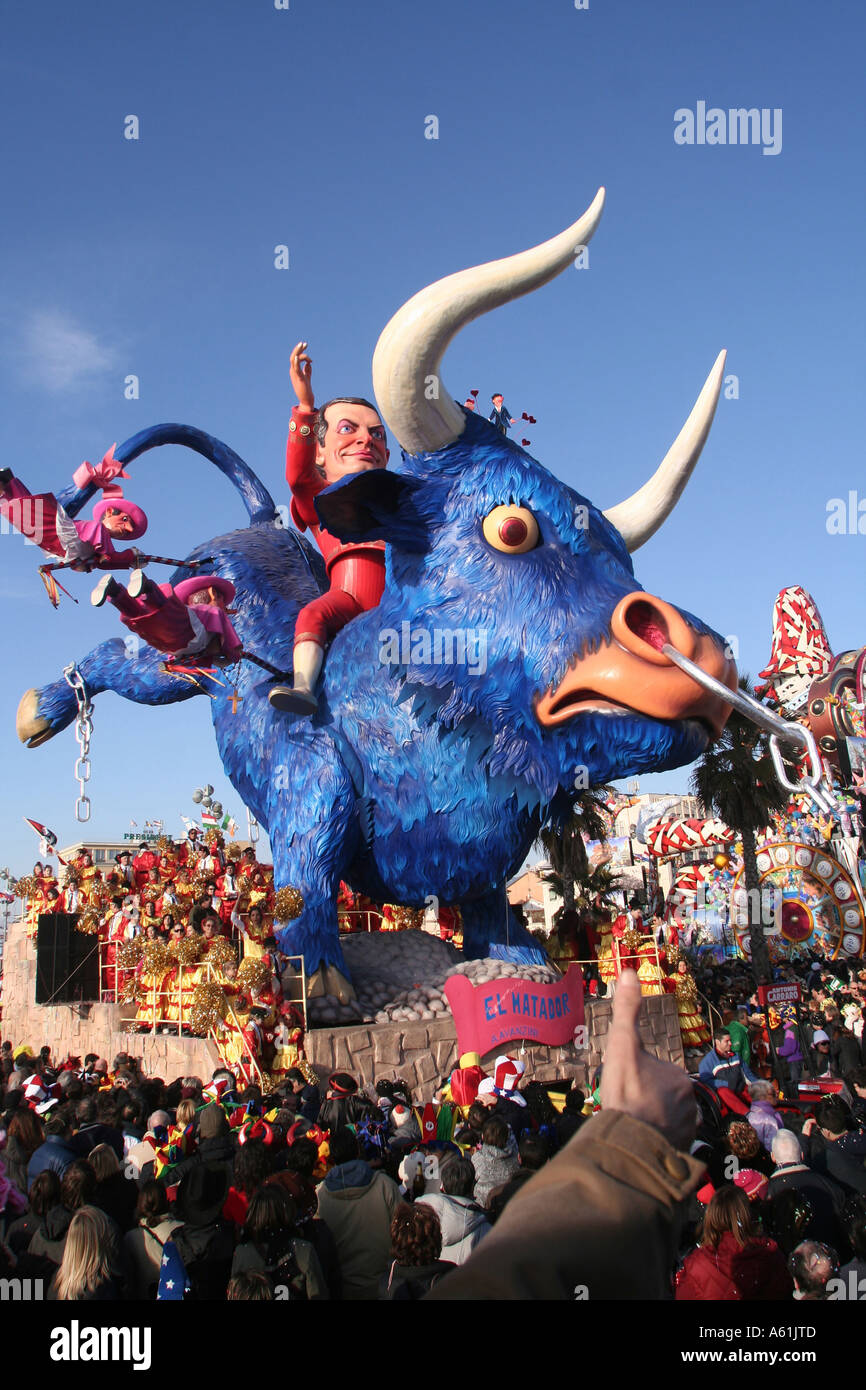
{"points": [[376, 506]]}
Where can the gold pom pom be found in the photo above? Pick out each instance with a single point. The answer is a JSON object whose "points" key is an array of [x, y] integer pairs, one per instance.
{"points": [[208, 1007], [100, 892], [157, 957], [234, 852], [24, 887], [133, 992], [88, 922], [129, 953], [630, 940], [187, 950], [288, 904], [673, 954], [407, 918], [165, 845], [213, 836], [254, 973], [221, 953]]}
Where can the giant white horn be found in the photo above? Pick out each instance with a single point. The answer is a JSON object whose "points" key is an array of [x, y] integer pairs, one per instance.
{"points": [[412, 399], [641, 515]]}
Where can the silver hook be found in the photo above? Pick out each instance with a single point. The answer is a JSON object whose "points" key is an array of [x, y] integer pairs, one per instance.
{"points": [[780, 731]]}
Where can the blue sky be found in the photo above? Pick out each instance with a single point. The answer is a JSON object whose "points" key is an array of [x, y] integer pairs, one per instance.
{"points": [[306, 127]]}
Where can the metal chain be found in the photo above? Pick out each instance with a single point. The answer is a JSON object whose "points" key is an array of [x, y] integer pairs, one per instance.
{"points": [[83, 732]]}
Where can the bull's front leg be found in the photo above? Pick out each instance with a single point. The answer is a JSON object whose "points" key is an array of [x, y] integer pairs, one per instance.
{"points": [[128, 667], [313, 829], [490, 928]]}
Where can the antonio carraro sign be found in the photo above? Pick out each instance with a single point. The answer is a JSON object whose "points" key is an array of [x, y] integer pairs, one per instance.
{"points": [[502, 1011]]}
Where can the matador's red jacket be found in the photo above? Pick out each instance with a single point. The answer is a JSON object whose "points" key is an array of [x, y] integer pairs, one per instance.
{"points": [[357, 569]]}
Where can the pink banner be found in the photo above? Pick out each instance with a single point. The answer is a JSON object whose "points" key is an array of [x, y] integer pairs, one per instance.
{"points": [[502, 1011]]}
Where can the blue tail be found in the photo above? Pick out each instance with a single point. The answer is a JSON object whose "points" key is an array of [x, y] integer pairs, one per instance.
{"points": [[256, 498]]}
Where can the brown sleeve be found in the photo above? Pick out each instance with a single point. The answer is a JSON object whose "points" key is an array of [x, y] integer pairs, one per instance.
{"points": [[600, 1220]]}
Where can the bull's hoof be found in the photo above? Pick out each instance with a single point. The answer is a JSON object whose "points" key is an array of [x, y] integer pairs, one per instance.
{"points": [[30, 726], [329, 980]]}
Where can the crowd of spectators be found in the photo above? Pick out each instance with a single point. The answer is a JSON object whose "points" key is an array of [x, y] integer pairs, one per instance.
{"points": [[116, 1185]]}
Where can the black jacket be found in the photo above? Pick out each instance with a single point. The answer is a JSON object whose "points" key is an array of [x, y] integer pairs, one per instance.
{"points": [[87, 1138], [825, 1197], [405, 1282]]}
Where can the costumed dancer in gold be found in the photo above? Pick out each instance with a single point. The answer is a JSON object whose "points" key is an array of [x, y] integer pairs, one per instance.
{"points": [[693, 1028]]}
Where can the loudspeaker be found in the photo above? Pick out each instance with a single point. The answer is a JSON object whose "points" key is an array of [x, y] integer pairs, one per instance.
{"points": [[67, 961]]}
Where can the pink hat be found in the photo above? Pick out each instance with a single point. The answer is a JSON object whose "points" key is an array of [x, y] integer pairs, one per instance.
{"points": [[753, 1183], [121, 504], [187, 587]]}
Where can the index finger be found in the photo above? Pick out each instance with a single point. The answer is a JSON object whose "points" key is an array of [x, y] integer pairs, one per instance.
{"points": [[623, 1043]]}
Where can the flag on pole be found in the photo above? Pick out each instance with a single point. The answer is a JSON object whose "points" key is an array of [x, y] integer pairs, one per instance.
{"points": [[208, 818], [231, 825], [133, 825], [188, 823], [47, 838]]}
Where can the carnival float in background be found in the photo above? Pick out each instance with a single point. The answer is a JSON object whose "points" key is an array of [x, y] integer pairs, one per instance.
{"points": [[810, 861]]}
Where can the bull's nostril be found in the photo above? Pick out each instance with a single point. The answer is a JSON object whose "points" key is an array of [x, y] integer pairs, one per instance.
{"points": [[647, 623]]}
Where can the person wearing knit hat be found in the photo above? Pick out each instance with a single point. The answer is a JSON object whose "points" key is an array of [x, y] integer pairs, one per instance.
{"points": [[86, 545], [753, 1183], [405, 1130]]}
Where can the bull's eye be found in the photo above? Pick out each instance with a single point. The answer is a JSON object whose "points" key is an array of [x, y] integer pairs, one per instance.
{"points": [[512, 530]]}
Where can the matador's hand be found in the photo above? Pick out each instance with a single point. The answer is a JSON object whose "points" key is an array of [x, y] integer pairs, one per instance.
{"points": [[301, 373]]}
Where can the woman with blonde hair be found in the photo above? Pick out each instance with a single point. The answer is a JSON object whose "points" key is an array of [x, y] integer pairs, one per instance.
{"points": [[85, 1271], [185, 1114]]}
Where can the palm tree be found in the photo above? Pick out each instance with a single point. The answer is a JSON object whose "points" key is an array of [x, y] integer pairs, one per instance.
{"points": [[563, 842], [735, 780]]}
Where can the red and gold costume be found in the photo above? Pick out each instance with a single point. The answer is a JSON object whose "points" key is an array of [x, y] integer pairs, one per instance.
{"points": [[356, 571], [650, 972], [143, 862], [114, 929], [694, 1030], [153, 1005]]}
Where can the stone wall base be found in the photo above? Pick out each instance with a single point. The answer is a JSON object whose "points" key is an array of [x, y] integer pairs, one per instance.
{"points": [[421, 1053]]}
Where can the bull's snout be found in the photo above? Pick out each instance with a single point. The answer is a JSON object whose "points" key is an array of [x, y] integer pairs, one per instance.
{"points": [[631, 672]]}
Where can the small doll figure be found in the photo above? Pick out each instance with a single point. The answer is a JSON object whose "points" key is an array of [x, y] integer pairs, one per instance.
{"points": [[500, 415]]}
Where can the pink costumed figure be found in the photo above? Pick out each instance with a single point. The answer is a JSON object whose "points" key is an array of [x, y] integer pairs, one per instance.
{"points": [[189, 620], [83, 545]]}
